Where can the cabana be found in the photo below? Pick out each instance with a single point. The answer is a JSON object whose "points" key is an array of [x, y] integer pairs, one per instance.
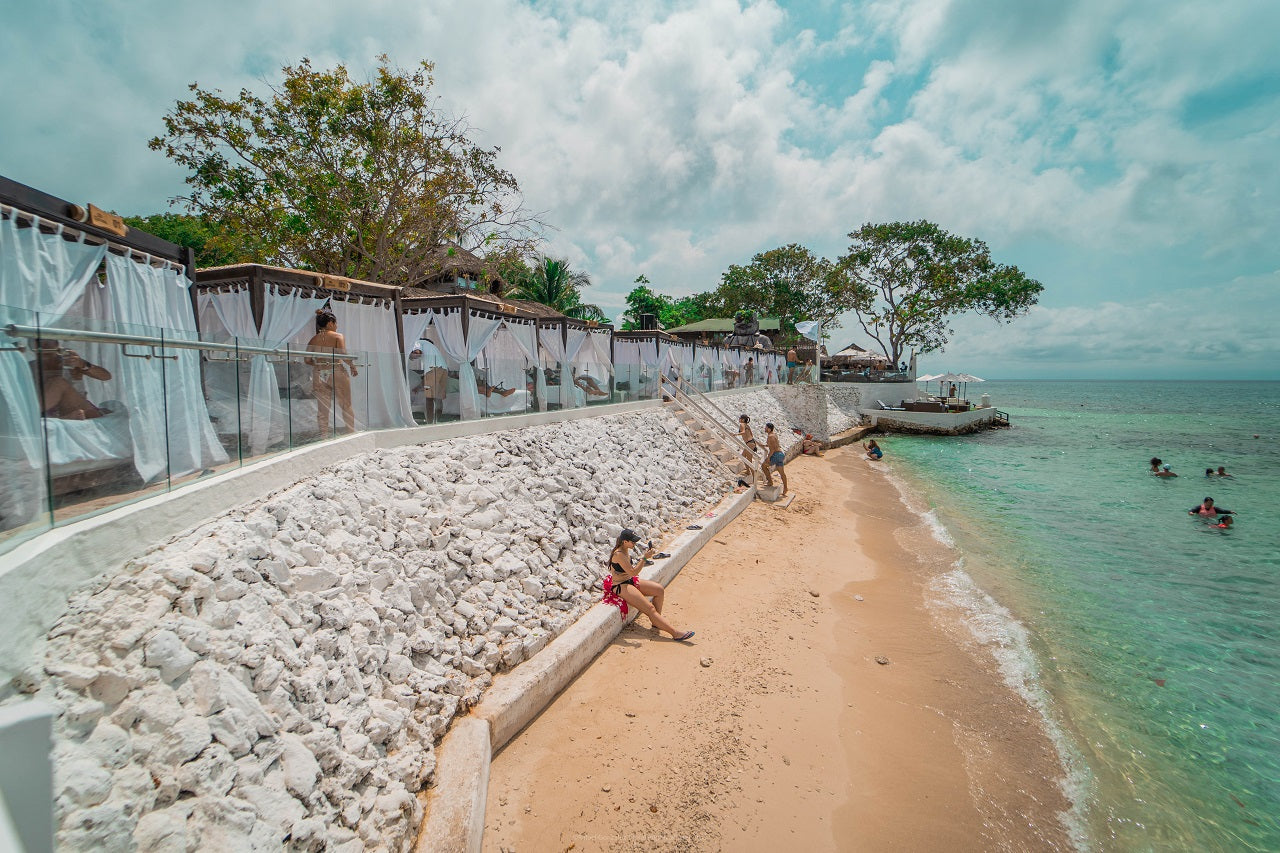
{"points": [[731, 359], [577, 361], [709, 373], [677, 358], [86, 301], [268, 399], [489, 346], [637, 358]]}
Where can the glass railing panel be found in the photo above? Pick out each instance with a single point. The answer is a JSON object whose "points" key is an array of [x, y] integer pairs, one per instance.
{"points": [[246, 392], [504, 387], [556, 394], [104, 407], [596, 382], [321, 400], [24, 469]]}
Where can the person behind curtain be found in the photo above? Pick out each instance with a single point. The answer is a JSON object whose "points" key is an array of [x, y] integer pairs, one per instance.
{"points": [[329, 376], [60, 375], [750, 369], [588, 384]]}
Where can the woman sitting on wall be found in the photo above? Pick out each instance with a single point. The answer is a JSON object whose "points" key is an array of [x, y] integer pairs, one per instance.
{"points": [[624, 587]]}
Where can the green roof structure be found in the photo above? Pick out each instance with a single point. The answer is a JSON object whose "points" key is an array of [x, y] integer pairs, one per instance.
{"points": [[767, 324]]}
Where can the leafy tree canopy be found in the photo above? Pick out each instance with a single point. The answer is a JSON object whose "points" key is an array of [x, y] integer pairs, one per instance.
{"points": [[552, 282], [358, 179], [214, 247], [788, 282], [670, 311], [907, 280]]}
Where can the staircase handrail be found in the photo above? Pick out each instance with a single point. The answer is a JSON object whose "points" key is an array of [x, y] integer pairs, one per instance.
{"points": [[698, 394], [730, 439]]}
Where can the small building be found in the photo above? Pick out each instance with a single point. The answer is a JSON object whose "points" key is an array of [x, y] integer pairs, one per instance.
{"points": [[453, 265], [713, 331]]}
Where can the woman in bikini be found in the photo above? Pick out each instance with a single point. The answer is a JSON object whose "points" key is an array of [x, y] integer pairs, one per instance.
{"points": [[749, 439], [624, 587], [329, 376]]}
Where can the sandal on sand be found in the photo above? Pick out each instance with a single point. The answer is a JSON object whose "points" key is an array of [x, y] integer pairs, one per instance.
{"points": [[686, 635], [661, 555], [694, 527]]}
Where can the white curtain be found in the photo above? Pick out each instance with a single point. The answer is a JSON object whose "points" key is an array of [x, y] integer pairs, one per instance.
{"points": [[41, 277], [263, 416], [413, 326], [382, 395], [446, 323], [552, 342], [479, 330], [168, 419], [524, 337]]}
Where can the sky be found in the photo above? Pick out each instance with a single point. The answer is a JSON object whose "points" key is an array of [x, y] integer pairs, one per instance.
{"points": [[1124, 154]]}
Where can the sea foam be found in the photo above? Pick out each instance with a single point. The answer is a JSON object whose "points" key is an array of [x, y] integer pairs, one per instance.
{"points": [[1008, 640]]}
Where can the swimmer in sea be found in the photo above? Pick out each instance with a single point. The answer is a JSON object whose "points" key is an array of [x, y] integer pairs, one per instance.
{"points": [[1223, 522], [1166, 471], [1208, 472], [1208, 509], [1155, 464], [1222, 471]]}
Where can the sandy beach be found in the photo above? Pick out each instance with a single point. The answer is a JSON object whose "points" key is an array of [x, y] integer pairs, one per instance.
{"points": [[777, 727]]}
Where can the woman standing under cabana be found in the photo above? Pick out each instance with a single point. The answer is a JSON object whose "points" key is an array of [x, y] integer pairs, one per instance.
{"points": [[329, 376]]}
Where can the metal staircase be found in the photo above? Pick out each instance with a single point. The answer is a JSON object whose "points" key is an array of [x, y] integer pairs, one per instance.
{"points": [[707, 421]]}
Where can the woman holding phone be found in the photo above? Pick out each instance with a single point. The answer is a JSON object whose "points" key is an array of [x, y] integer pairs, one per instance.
{"points": [[624, 587]]}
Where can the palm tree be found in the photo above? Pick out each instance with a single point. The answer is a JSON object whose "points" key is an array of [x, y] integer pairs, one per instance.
{"points": [[552, 283]]}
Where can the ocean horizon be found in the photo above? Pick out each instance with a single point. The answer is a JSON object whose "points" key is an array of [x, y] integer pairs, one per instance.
{"points": [[1144, 636]]}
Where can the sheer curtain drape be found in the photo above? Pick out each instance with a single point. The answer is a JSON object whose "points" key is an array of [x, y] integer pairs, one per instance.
{"points": [[370, 331], [412, 326], [263, 416], [168, 419], [552, 342], [479, 330], [447, 325], [41, 277], [525, 337]]}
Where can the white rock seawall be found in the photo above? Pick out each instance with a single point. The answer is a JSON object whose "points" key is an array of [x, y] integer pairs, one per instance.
{"points": [[276, 679]]}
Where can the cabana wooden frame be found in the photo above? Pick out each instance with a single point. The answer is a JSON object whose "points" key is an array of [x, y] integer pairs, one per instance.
{"points": [[258, 276], [51, 209]]}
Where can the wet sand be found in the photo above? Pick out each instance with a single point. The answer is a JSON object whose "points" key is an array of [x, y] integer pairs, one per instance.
{"points": [[777, 728]]}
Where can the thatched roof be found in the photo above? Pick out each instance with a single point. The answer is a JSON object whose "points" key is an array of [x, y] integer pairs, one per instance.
{"points": [[451, 262]]}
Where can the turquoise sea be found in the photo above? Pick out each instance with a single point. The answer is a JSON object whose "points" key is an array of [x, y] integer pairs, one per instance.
{"points": [[1150, 640]]}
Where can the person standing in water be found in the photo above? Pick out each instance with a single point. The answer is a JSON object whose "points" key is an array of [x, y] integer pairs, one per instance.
{"points": [[329, 375]]}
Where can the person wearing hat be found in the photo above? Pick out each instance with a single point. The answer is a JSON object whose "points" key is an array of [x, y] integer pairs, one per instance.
{"points": [[1166, 471], [624, 586]]}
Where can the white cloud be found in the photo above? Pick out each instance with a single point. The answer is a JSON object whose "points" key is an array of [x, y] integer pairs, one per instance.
{"points": [[675, 140]]}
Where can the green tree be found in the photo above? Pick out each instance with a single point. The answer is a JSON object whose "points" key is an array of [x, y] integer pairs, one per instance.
{"points": [[553, 283], [788, 282], [670, 312], [907, 280], [357, 179], [213, 246]]}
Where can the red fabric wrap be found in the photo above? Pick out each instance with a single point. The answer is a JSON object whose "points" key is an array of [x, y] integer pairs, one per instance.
{"points": [[615, 597]]}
